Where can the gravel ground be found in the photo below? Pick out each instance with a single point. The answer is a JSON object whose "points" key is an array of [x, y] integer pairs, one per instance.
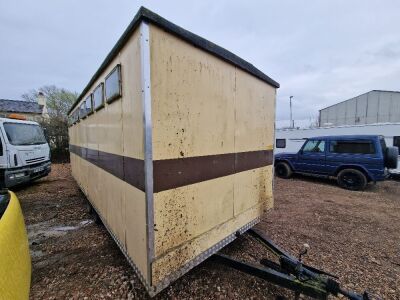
{"points": [[355, 235]]}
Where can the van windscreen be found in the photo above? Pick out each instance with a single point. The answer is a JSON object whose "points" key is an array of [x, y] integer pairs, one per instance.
{"points": [[19, 134]]}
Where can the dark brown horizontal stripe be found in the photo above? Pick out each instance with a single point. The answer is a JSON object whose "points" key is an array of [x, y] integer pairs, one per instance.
{"points": [[174, 173], [128, 169]]}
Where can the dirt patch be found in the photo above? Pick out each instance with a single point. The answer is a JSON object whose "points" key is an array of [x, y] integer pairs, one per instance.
{"points": [[355, 235]]}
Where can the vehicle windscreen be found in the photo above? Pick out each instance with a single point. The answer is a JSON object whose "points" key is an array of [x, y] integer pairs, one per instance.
{"points": [[19, 134]]}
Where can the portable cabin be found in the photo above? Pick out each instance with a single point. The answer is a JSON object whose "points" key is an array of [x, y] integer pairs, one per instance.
{"points": [[172, 143]]}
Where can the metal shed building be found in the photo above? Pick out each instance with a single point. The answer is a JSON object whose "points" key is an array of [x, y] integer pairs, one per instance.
{"points": [[172, 143], [376, 106]]}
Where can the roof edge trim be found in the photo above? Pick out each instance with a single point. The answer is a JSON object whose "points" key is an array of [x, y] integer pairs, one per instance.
{"points": [[145, 14]]}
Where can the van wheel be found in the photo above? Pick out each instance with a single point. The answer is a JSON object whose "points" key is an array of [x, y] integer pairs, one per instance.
{"points": [[283, 170], [352, 179]]}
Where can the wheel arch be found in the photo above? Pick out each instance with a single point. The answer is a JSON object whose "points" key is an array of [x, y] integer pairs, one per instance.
{"points": [[285, 161], [356, 167]]}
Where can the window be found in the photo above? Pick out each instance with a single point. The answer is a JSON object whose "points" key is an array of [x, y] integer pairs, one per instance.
{"points": [[314, 146], [352, 147], [24, 134], [76, 115], [396, 141], [82, 110], [89, 104], [280, 143], [98, 97], [113, 88]]}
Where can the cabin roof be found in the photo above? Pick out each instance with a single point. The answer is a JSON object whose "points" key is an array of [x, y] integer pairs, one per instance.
{"points": [[19, 106], [145, 14]]}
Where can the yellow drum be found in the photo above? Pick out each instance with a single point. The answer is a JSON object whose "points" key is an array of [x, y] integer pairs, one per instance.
{"points": [[15, 260]]}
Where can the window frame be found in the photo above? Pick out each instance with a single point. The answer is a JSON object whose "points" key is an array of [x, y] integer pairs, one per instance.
{"points": [[284, 143], [100, 85], [313, 140], [84, 115], [76, 116], [117, 69], [90, 110], [366, 141]]}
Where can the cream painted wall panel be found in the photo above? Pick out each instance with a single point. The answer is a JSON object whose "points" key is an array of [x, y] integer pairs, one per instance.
{"points": [[186, 122], [115, 199], [91, 125], [254, 112], [253, 187], [175, 259], [113, 129], [135, 224], [132, 108], [108, 131], [183, 213]]}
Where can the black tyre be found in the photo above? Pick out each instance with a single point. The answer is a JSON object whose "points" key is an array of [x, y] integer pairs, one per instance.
{"points": [[391, 157], [283, 170], [352, 179]]}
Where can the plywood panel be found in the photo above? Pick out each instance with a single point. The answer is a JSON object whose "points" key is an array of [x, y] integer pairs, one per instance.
{"points": [[115, 199], [182, 214], [192, 91], [117, 129], [135, 220], [175, 259], [253, 187], [132, 108], [202, 106], [254, 114]]}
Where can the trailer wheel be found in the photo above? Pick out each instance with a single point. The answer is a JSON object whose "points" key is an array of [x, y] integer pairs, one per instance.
{"points": [[283, 170], [352, 179], [391, 157]]}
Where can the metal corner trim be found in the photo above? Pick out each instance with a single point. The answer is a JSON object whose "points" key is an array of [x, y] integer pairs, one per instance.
{"points": [[148, 147]]}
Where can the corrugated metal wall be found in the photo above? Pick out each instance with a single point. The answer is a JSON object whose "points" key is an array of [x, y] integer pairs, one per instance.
{"points": [[368, 108]]}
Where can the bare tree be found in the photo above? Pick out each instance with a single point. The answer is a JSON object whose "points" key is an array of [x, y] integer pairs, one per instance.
{"points": [[58, 102]]}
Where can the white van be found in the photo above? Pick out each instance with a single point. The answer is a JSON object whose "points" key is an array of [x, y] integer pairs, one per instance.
{"points": [[24, 152]]}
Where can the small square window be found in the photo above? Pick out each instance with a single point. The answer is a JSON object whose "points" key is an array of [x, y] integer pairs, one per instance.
{"points": [[280, 143], [98, 97], [89, 105], [113, 88], [82, 110]]}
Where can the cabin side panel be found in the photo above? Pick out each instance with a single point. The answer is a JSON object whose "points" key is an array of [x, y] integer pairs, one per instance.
{"points": [[108, 158], [254, 132], [209, 148]]}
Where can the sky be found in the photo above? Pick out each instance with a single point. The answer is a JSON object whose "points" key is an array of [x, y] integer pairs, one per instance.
{"points": [[321, 52]]}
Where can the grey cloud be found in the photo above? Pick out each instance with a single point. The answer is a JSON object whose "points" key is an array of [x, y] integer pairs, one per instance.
{"points": [[319, 51]]}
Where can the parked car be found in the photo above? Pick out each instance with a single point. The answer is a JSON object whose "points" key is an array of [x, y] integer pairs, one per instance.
{"points": [[354, 160]]}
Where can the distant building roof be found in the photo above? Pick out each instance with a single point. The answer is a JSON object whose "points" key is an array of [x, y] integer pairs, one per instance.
{"points": [[379, 91], [19, 106]]}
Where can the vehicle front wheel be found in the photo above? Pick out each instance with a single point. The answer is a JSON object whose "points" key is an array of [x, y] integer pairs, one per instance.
{"points": [[283, 170], [352, 179]]}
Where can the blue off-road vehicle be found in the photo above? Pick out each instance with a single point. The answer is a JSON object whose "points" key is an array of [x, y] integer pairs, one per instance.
{"points": [[354, 160]]}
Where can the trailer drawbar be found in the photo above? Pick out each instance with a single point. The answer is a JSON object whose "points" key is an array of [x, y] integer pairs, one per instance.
{"points": [[290, 272]]}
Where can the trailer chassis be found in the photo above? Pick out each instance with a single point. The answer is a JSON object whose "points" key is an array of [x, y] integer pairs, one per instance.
{"points": [[290, 272]]}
